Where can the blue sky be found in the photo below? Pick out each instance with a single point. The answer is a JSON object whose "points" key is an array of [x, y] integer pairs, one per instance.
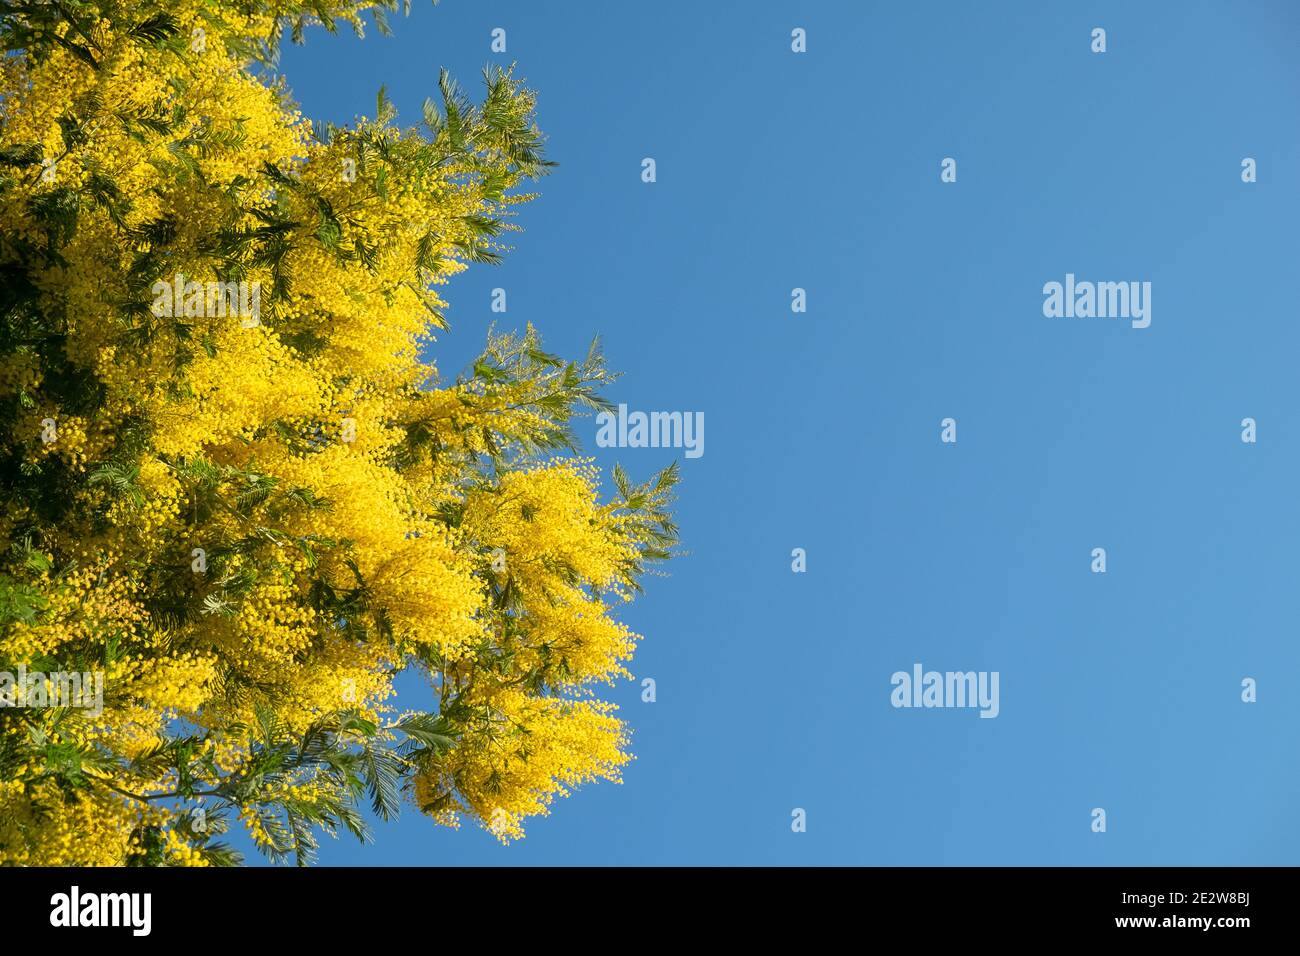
{"points": [[820, 170]]}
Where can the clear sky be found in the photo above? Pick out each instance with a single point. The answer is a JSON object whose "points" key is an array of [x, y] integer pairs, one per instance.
{"points": [[821, 170]]}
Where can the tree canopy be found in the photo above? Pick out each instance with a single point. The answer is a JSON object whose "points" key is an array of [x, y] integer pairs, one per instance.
{"points": [[234, 483]]}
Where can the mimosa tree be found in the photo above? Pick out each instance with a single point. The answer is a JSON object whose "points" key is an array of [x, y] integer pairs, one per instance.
{"points": [[235, 486]]}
